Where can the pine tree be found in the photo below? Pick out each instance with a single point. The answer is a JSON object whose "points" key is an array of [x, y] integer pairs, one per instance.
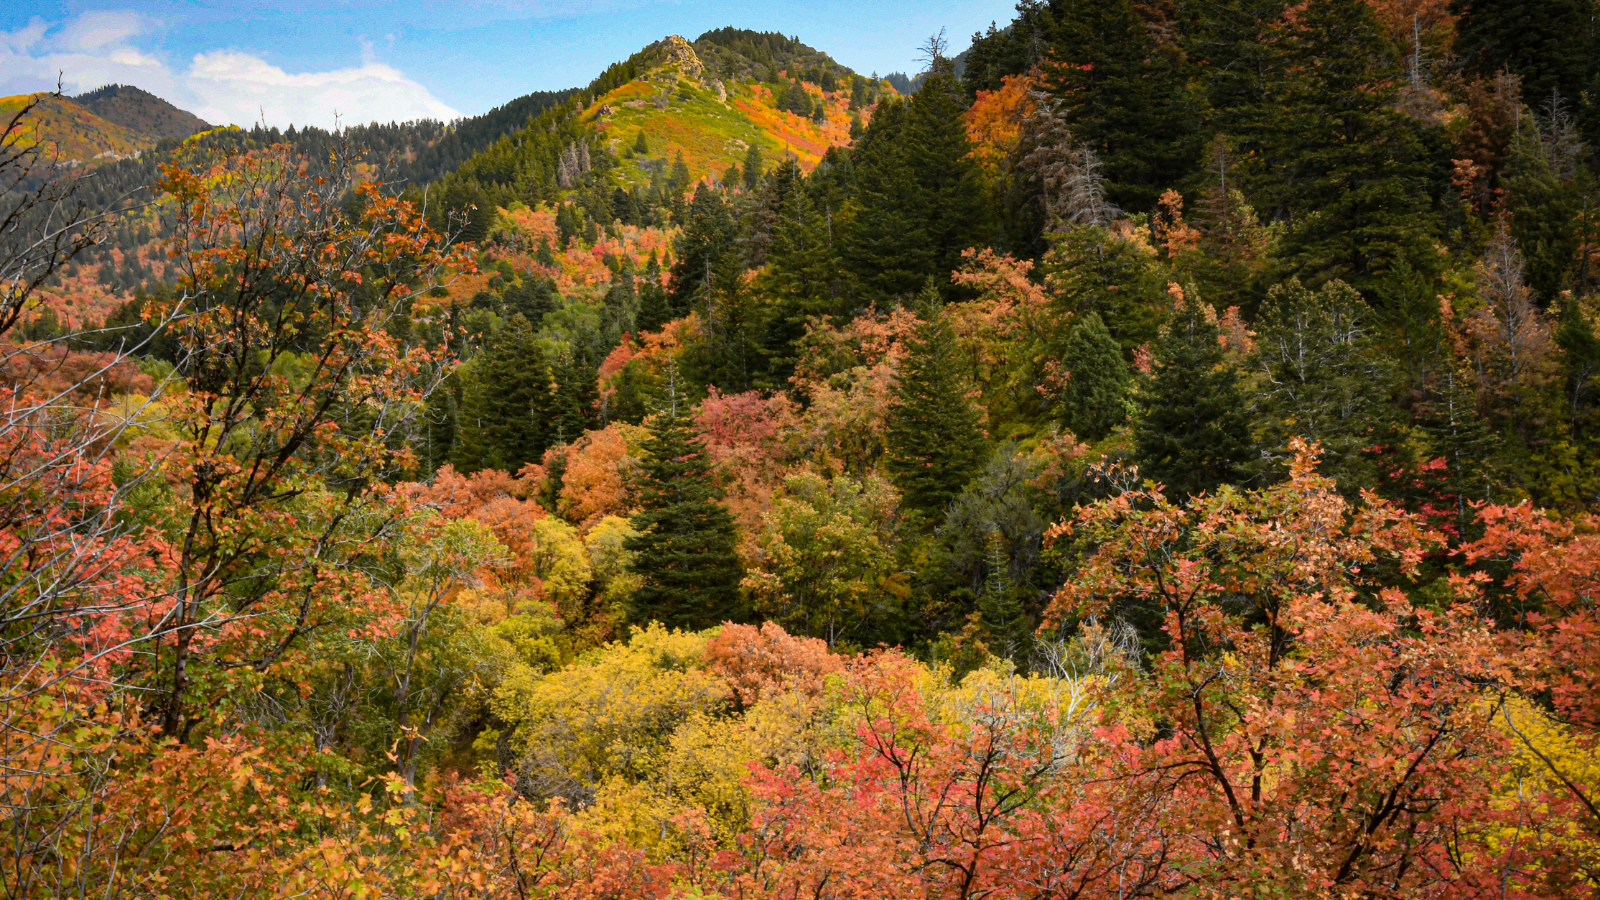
{"points": [[883, 240], [920, 197], [655, 308], [1127, 97], [703, 250], [1094, 401], [952, 196], [1005, 622], [1357, 190], [1325, 379], [572, 409], [1193, 434], [506, 403], [801, 273], [935, 441], [753, 168], [684, 552], [1094, 270], [1543, 212], [1551, 44]]}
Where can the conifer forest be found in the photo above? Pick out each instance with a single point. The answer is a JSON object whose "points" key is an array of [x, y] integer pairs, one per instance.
{"points": [[1152, 452]]}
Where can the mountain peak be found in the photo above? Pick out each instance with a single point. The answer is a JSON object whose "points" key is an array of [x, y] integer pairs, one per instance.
{"points": [[673, 51], [141, 112]]}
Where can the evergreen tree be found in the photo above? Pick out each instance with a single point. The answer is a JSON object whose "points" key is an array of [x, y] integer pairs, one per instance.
{"points": [[1193, 434], [684, 552], [1094, 270], [641, 146], [1543, 212], [952, 198], [935, 441], [572, 410], [734, 320], [919, 197], [506, 403], [1006, 626], [884, 241], [439, 425], [1551, 44], [704, 250], [801, 273], [1094, 401], [1127, 97], [1325, 379], [753, 166], [1358, 189], [655, 308]]}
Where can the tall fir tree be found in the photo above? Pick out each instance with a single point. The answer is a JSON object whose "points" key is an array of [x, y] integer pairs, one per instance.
{"points": [[655, 306], [801, 275], [884, 243], [934, 437], [1550, 44], [1193, 433], [919, 197], [1127, 95], [572, 409], [704, 250], [684, 552], [1358, 191], [506, 403], [952, 197], [1094, 401], [1324, 378], [1543, 212], [1008, 632]]}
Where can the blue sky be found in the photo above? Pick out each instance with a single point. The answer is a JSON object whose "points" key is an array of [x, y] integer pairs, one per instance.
{"points": [[305, 62]]}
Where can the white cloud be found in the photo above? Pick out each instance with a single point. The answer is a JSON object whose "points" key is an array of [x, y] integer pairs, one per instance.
{"points": [[221, 86], [100, 29], [241, 88]]}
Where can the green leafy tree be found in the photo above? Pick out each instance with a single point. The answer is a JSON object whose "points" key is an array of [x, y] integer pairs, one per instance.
{"points": [[935, 440], [506, 403], [1094, 401], [684, 553], [1193, 433], [830, 547]]}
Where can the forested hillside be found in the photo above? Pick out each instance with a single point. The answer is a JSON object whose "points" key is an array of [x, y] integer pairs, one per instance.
{"points": [[1154, 458]]}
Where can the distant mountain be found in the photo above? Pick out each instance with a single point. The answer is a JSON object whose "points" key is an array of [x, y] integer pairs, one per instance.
{"points": [[141, 111], [67, 132]]}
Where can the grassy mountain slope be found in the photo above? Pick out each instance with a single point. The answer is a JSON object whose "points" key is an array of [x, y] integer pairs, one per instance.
{"points": [[141, 111], [710, 101], [65, 130]]}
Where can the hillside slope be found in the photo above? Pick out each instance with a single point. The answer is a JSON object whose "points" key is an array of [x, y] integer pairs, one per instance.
{"points": [[712, 100], [141, 112], [67, 131]]}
